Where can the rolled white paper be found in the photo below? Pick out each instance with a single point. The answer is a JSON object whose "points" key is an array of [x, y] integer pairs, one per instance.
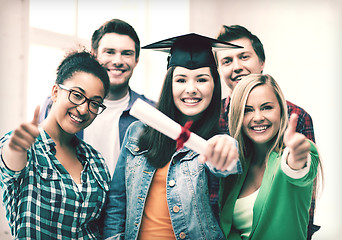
{"points": [[162, 123]]}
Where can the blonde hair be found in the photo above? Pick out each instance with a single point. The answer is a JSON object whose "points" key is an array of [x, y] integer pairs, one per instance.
{"points": [[237, 110], [236, 115]]}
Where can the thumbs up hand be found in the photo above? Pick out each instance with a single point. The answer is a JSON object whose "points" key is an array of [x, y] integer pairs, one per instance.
{"points": [[299, 148], [14, 151], [25, 135]]}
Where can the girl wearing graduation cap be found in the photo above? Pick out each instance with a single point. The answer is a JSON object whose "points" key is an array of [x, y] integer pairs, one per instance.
{"points": [[159, 191]]}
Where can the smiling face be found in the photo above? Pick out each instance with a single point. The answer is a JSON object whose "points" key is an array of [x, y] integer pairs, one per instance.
{"points": [[261, 120], [117, 54], [69, 117], [192, 90], [233, 64]]}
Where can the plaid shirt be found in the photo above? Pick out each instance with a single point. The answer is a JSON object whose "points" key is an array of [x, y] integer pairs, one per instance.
{"points": [[43, 202], [304, 126]]}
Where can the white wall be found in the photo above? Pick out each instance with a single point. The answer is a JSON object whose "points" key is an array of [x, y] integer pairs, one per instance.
{"points": [[13, 67], [13, 61]]}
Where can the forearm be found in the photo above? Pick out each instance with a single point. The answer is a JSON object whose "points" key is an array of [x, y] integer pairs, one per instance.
{"points": [[13, 159], [295, 172]]}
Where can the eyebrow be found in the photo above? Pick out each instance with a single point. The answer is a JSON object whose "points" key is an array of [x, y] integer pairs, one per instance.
{"points": [[128, 50], [179, 75], [266, 103], [84, 92], [199, 75], [244, 52], [204, 74], [114, 49]]}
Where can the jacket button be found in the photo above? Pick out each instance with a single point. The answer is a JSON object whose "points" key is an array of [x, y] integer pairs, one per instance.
{"points": [[176, 209], [182, 235], [172, 183]]}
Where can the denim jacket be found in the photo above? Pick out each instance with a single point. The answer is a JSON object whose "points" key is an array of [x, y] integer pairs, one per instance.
{"points": [[187, 189]]}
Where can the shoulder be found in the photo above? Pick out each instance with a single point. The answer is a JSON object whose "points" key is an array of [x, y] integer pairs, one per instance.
{"points": [[87, 150], [134, 96], [293, 108], [135, 128], [45, 108]]}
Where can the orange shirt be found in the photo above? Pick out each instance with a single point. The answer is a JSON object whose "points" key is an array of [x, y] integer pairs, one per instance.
{"points": [[156, 221]]}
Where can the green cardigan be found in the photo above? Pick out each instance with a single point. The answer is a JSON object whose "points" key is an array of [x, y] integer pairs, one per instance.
{"points": [[281, 210]]}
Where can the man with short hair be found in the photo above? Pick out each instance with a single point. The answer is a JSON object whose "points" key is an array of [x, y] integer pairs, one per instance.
{"points": [[233, 64], [116, 46]]}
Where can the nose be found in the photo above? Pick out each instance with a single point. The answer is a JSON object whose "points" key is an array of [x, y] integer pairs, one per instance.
{"points": [[237, 66], [190, 87], [258, 116], [83, 108], [117, 59]]}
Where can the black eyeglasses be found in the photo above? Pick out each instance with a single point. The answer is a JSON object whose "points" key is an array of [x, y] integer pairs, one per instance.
{"points": [[78, 98]]}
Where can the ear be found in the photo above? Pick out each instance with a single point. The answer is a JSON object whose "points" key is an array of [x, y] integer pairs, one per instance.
{"points": [[93, 52], [262, 66], [54, 93]]}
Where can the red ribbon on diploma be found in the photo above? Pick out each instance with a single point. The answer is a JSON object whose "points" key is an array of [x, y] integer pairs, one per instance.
{"points": [[184, 135]]}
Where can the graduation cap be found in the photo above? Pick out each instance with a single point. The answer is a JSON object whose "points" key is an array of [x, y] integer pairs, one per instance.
{"points": [[191, 50]]}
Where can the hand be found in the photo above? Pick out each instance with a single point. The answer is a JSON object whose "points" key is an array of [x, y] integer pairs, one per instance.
{"points": [[221, 152], [299, 147], [25, 135]]}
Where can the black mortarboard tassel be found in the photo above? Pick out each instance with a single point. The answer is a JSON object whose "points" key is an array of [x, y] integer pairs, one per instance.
{"points": [[191, 51]]}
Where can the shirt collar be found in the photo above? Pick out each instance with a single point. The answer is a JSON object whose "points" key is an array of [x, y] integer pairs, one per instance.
{"points": [[50, 145]]}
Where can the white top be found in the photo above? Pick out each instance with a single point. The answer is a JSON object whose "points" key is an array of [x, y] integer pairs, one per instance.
{"points": [[243, 214], [103, 133]]}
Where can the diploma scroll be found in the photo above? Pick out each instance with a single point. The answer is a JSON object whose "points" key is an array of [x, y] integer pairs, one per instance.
{"points": [[162, 123]]}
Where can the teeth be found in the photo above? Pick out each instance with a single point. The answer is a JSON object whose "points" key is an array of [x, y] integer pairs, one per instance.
{"points": [[261, 128], [191, 100], [115, 70], [76, 118]]}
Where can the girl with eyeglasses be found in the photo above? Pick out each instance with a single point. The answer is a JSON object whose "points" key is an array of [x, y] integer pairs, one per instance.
{"points": [[54, 184]]}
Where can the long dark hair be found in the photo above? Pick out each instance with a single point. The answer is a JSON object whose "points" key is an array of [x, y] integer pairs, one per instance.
{"points": [[160, 147]]}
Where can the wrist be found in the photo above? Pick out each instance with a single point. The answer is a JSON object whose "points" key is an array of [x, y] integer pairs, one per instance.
{"points": [[294, 173]]}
